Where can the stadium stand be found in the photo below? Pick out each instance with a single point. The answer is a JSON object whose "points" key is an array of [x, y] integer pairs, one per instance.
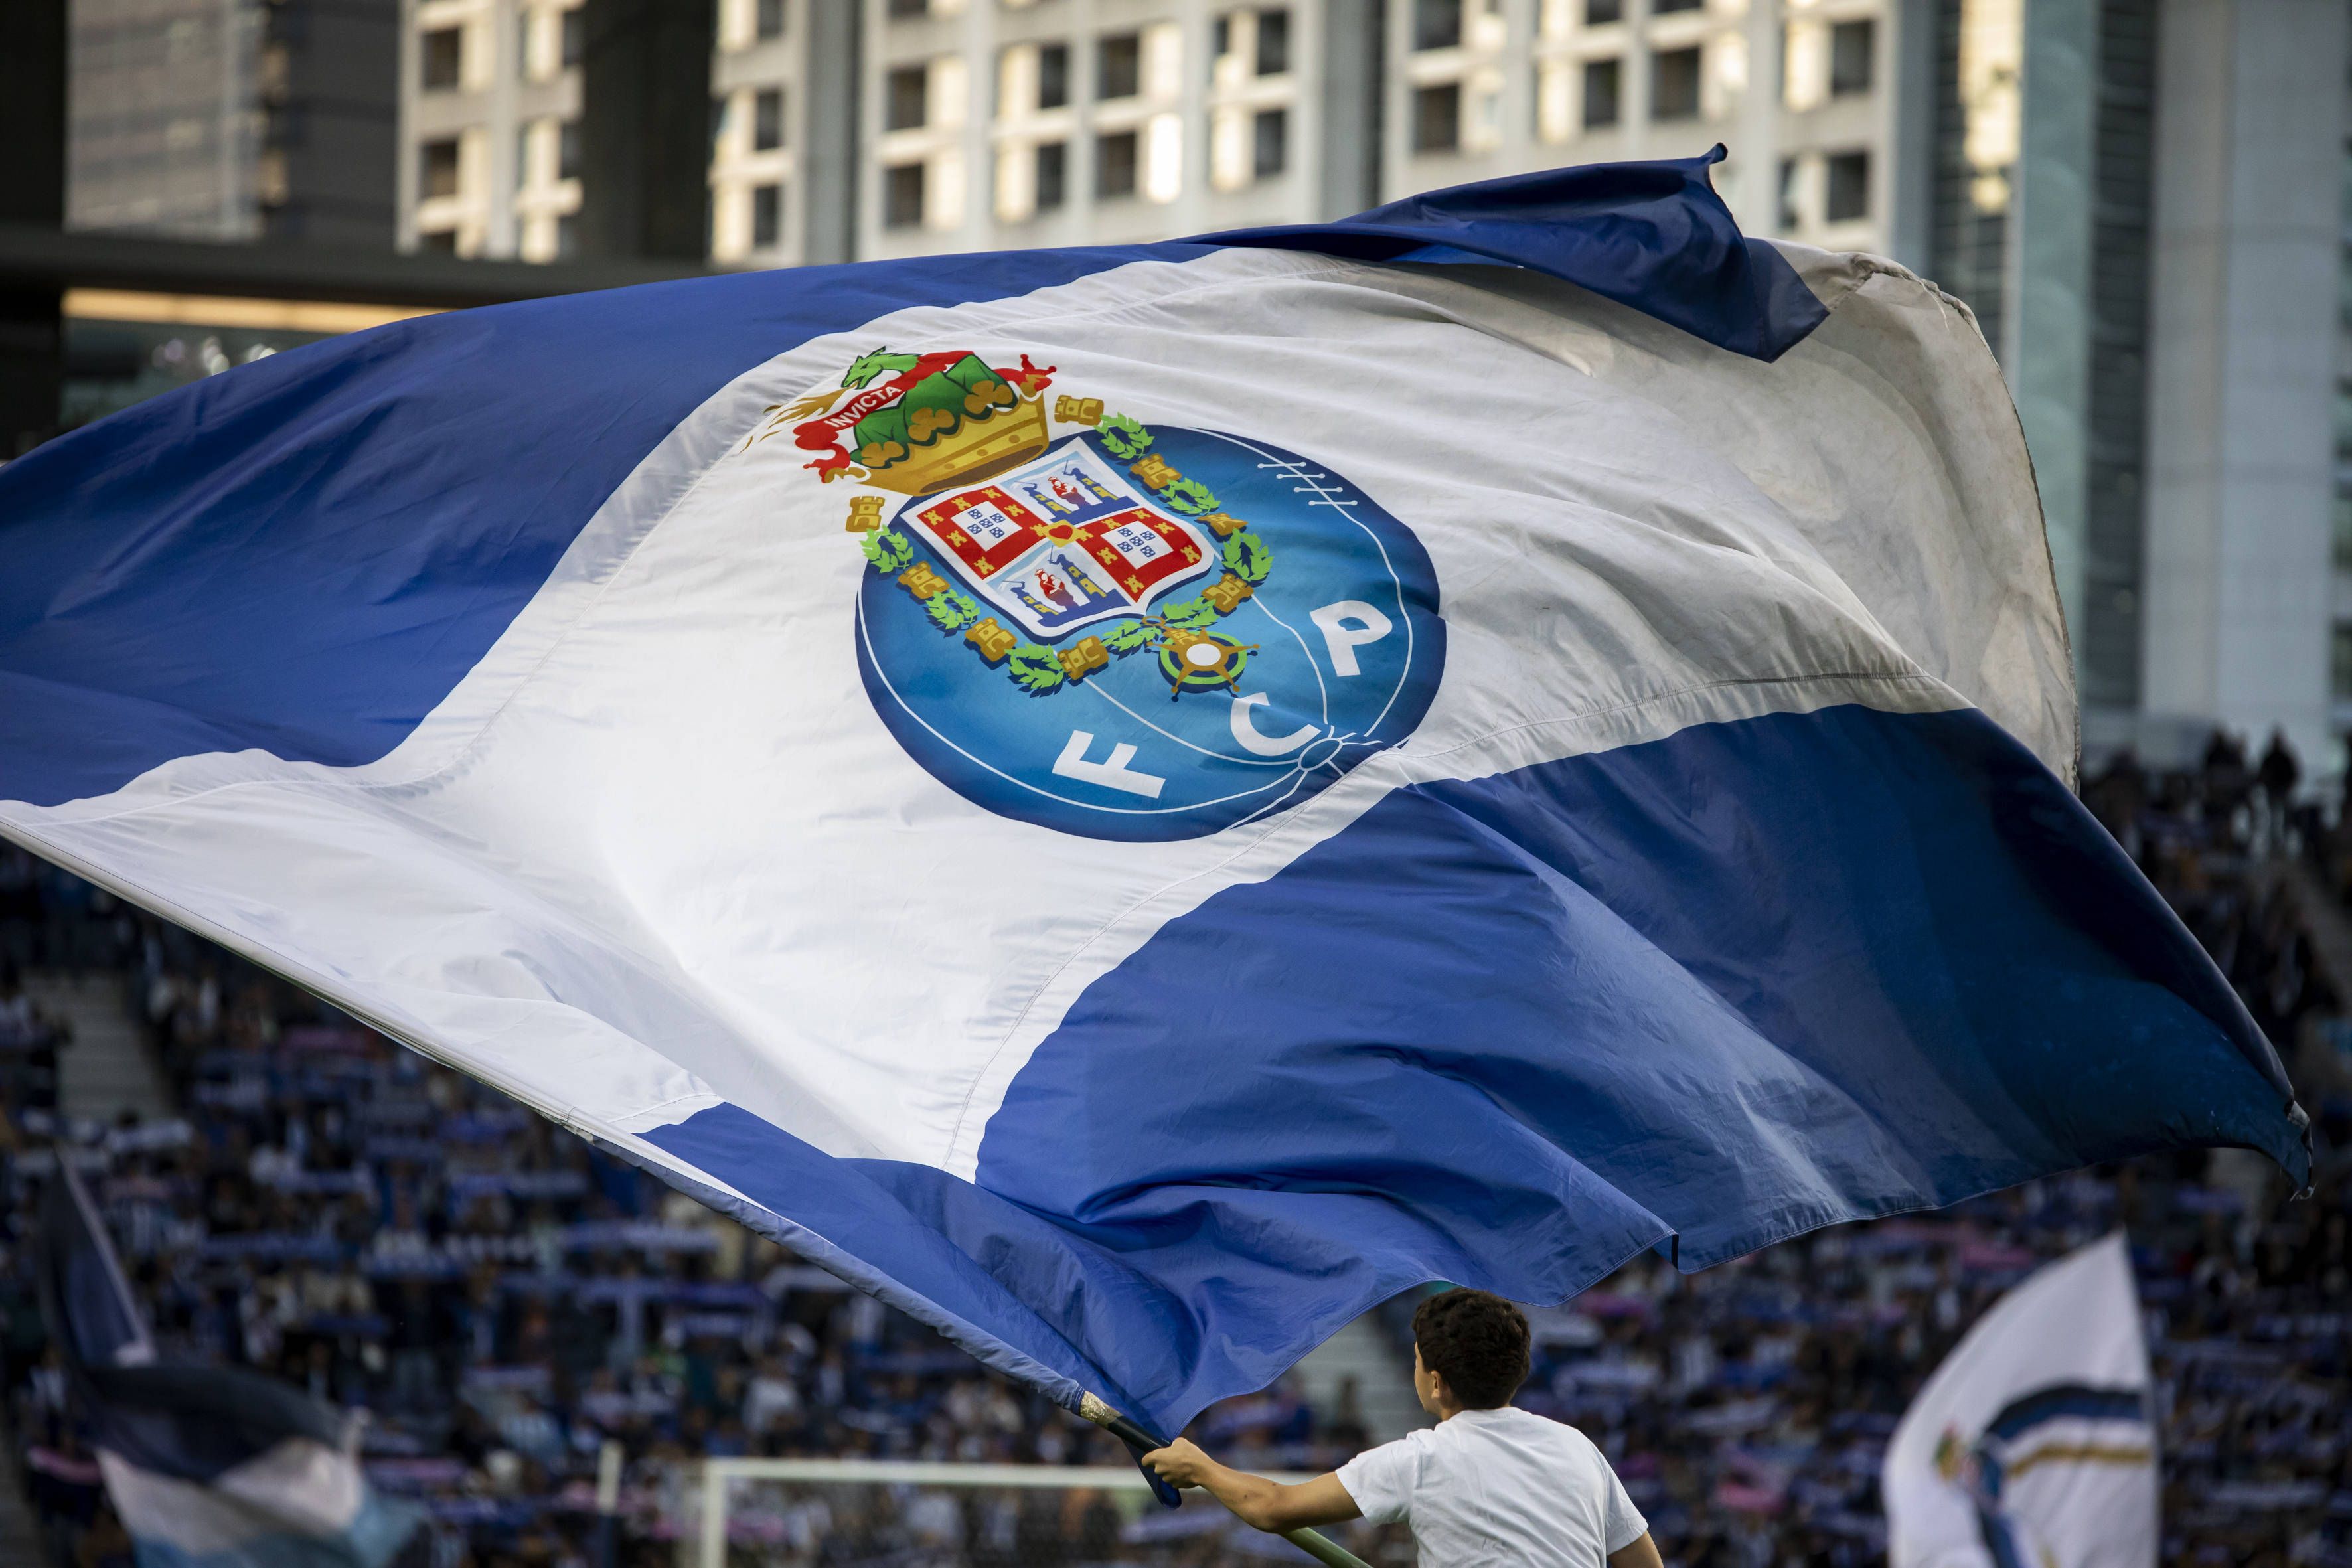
{"points": [[504, 1301]]}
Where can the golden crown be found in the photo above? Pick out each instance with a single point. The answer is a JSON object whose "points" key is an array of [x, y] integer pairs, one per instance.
{"points": [[977, 448]]}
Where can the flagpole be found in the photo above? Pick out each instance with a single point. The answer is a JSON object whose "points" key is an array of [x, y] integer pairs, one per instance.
{"points": [[1313, 1542]]}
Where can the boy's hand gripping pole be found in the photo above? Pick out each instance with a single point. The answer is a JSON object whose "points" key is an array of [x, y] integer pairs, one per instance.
{"points": [[1313, 1542]]}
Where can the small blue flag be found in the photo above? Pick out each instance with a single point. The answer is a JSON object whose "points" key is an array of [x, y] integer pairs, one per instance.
{"points": [[206, 1467]]}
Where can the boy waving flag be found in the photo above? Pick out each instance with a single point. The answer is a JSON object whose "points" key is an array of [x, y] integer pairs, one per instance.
{"points": [[1489, 1487]]}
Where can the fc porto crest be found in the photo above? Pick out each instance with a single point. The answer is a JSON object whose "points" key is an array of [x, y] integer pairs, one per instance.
{"points": [[1106, 628]]}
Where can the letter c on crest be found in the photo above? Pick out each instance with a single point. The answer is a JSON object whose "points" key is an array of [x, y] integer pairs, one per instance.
{"points": [[1258, 743]]}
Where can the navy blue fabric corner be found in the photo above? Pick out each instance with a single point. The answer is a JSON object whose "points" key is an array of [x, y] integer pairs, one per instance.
{"points": [[1718, 989], [1727, 986], [1654, 236]]}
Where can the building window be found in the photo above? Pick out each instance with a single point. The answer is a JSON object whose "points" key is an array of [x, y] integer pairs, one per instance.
{"points": [[1438, 118], [906, 10], [575, 36], [1852, 54], [1790, 218], [1600, 13], [768, 119], [438, 163], [1269, 143], [1602, 78], [567, 150], [1221, 39], [1673, 84], [770, 23], [1053, 75], [902, 195], [1119, 65], [443, 59], [1273, 42], [567, 236], [1436, 24], [2340, 661], [1115, 161], [905, 98], [768, 214], [1848, 196], [1053, 175], [442, 241], [1660, 7]]}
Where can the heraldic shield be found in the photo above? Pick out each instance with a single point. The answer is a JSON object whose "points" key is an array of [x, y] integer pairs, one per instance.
{"points": [[1064, 542]]}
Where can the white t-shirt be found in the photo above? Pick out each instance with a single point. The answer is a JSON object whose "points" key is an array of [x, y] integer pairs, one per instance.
{"points": [[1497, 1489]]}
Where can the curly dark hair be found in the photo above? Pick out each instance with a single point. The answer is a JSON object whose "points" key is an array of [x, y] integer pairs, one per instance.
{"points": [[1476, 1341]]}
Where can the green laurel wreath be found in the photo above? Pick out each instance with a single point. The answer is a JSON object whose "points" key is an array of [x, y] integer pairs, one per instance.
{"points": [[1192, 616], [1128, 636], [888, 550], [952, 611], [1032, 667], [1125, 438]]}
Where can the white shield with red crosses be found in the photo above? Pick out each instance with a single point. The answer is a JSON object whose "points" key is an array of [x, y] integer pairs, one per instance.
{"points": [[1063, 541]]}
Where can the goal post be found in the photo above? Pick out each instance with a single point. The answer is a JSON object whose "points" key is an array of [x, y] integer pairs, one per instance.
{"points": [[944, 1515]]}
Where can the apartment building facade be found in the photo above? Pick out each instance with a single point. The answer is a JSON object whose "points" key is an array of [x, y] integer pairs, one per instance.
{"points": [[1086, 121], [491, 95], [978, 124], [1799, 92]]}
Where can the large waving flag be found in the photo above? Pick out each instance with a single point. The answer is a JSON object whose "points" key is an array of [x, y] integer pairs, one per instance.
{"points": [[1135, 802], [2034, 1446], [206, 1467]]}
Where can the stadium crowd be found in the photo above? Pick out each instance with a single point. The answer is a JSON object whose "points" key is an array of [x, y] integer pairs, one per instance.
{"points": [[505, 1301]]}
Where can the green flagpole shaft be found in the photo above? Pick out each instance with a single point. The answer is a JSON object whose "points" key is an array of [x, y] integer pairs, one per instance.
{"points": [[1323, 1549], [1313, 1542]]}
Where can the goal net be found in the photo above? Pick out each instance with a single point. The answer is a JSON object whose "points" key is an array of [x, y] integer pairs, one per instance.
{"points": [[787, 1513]]}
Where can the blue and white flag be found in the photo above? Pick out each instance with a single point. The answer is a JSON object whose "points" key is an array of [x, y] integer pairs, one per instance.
{"points": [[206, 1467], [1135, 802], [2034, 1446]]}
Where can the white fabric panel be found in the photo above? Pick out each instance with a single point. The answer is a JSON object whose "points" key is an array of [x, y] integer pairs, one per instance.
{"points": [[611, 873]]}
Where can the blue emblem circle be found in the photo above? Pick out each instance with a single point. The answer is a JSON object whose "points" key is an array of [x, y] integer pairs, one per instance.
{"points": [[1064, 685]]}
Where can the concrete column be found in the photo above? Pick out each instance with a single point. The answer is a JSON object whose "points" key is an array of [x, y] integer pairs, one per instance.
{"points": [[831, 69], [978, 49], [2049, 351], [1355, 34], [2250, 115], [1911, 223], [1754, 193], [504, 235]]}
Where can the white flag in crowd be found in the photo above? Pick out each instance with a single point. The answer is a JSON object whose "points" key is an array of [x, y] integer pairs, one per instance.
{"points": [[2033, 1445]]}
